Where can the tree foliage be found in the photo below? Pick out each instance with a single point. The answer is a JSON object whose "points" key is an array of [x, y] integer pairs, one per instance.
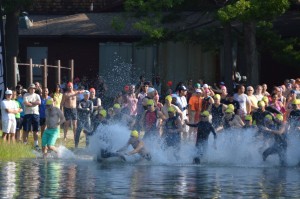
{"points": [[253, 10]]}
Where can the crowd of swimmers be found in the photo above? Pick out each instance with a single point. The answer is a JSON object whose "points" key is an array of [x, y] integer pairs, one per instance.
{"points": [[189, 112]]}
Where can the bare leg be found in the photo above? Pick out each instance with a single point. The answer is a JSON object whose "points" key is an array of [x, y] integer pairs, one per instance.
{"points": [[35, 136], [42, 130], [4, 137], [12, 138], [25, 136], [74, 123], [66, 126], [44, 149]]}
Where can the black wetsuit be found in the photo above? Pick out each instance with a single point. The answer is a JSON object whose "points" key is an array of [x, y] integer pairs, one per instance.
{"points": [[294, 120], [172, 139], [204, 129], [279, 147], [217, 115], [235, 103]]}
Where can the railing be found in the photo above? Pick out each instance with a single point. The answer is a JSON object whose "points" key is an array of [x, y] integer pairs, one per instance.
{"points": [[45, 67]]}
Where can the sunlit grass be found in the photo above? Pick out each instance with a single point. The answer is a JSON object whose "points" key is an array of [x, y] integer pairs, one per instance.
{"points": [[19, 150], [15, 151]]}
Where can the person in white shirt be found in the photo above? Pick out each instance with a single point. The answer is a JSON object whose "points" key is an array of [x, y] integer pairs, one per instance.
{"points": [[183, 106], [245, 104], [31, 102], [8, 110]]}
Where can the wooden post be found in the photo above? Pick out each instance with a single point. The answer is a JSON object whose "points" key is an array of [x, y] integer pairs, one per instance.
{"points": [[71, 72], [58, 72], [30, 73], [45, 72], [15, 72]]}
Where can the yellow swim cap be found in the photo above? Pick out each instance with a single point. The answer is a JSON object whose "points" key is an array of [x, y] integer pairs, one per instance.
{"points": [[217, 96], [172, 109], [103, 113], [296, 102], [229, 110], [117, 106], [135, 134], [150, 102], [230, 106], [205, 113], [168, 98], [279, 117], [49, 101], [261, 104], [265, 99], [269, 117], [248, 117]]}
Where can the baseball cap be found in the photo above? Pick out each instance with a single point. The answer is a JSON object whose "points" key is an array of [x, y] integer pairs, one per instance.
{"points": [[180, 88], [8, 92], [31, 86], [150, 90], [197, 85], [205, 86], [86, 92], [198, 91], [222, 83]]}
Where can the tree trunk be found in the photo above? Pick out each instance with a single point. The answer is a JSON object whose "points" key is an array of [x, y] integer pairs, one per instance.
{"points": [[228, 59], [251, 58], [11, 44]]}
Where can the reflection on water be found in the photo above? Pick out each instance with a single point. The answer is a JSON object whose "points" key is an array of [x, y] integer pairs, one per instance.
{"points": [[88, 179]]}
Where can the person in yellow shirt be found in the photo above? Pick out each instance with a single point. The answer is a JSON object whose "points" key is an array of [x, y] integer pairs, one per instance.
{"points": [[57, 96]]}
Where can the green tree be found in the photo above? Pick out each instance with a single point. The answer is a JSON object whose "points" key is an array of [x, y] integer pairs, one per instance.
{"points": [[12, 9], [250, 12], [163, 20]]}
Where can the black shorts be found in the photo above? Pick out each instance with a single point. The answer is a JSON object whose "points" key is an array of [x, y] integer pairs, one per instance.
{"points": [[31, 119], [42, 121], [70, 113], [19, 123]]}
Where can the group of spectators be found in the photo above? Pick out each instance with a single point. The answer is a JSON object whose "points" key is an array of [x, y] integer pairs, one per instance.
{"points": [[186, 112]]}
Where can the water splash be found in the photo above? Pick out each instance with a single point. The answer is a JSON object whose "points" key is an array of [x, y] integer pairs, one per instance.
{"points": [[234, 148]]}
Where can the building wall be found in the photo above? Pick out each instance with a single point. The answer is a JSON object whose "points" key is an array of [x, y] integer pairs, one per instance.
{"points": [[74, 6], [176, 62], [180, 62]]}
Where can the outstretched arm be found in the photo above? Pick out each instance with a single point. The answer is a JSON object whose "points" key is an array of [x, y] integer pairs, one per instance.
{"points": [[137, 149]]}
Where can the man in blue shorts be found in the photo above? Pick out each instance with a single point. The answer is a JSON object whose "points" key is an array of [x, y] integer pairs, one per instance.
{"points": [[31, 102]]}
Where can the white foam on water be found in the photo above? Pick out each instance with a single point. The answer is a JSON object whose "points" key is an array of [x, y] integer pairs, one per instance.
{"points": [[234, 148], [65, 153]]}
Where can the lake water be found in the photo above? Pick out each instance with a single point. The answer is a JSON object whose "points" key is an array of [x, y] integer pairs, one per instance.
{"points": [[88, 179], [234, 169]]}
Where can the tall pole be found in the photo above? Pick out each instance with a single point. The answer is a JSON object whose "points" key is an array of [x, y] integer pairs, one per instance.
{"points": [[2, 55]]}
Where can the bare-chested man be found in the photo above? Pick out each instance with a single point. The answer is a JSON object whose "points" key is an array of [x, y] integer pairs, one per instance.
{"points": [[54, 118], [68, 103]]}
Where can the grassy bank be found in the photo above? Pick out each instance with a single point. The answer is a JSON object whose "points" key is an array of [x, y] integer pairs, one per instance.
{"points": [[15, 151], [18, 150]]}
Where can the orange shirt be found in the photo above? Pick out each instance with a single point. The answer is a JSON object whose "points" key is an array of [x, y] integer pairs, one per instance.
{"points": [[195, 103]]}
